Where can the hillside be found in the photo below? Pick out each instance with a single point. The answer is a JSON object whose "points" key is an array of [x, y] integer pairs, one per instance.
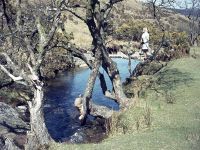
{"points": [[137, 10], [187, 12], [126, 11]]}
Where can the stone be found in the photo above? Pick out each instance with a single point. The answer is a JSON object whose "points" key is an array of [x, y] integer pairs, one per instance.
{"points": [[10, 119], [12, 128]]}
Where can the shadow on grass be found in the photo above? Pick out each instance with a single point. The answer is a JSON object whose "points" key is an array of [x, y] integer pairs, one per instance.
{"points": [[170, 79]]}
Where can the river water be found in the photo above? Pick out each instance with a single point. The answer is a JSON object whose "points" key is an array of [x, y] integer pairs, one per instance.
{"points": [[61, 116]]}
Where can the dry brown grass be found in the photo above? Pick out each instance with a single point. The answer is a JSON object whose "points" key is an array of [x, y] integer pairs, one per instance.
{"points": [[82, 37]]}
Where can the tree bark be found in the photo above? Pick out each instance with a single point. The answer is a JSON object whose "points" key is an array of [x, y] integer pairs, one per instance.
{"points": [[111, 68], [38, 135], [89, 89]]}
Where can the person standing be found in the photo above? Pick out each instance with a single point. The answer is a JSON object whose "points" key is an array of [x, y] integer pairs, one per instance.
{"points": [[145, 42]]}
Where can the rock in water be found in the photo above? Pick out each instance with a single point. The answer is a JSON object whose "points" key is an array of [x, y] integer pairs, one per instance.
{"points": [[77, 137]]}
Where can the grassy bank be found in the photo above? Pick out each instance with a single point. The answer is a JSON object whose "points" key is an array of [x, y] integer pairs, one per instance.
{"points": [[167, 115]]}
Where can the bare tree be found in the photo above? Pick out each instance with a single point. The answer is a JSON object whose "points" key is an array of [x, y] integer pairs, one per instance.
{"points": [[192, 11], [28, 32], [95, 15], [157, 8]]}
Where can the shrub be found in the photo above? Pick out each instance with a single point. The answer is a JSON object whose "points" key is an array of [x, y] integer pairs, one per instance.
{"points": [[132, 30], [175, 45], [116, 125]]}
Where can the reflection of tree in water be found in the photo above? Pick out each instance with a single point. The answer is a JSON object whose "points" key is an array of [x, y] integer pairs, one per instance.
{"points": [[172, 78]]}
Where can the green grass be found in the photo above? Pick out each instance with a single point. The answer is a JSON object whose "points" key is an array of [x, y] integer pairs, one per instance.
{"points": [[174, 104]]}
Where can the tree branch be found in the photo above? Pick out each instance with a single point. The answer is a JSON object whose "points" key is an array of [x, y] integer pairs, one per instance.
{"points": [[45, 42], [80, 54], [6, 16], [74, 13], [110, 4], [10, 75], [76, 53], [14, 68]]}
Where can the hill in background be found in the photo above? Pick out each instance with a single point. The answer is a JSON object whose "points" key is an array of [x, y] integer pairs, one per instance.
{"points": [[126, 11]]}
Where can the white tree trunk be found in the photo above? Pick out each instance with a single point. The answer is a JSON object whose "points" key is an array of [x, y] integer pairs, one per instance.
{"points": [[38, 135]]}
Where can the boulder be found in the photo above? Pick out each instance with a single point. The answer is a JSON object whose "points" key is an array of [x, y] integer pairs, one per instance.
{"points": [[12, 128], [10, 119]]}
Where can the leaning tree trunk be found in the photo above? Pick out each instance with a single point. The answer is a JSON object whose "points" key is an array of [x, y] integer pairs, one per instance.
{"points": [[89, 89], [108, 64], [38, 136], [111, 68]]}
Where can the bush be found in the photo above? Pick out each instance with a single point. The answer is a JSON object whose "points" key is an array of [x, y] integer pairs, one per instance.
{"points": [[132, 30], [179, 38], [175, 45]]}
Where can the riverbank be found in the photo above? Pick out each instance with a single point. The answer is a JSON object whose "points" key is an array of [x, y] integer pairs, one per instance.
{"points": [[166, 115]]}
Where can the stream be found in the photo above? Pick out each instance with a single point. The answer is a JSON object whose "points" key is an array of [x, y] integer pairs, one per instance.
{"points": [[61, 116]]}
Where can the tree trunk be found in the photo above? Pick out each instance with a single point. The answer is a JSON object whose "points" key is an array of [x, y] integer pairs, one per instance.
{"points": [[103, 83], [89, 89], [111, 68], [38, 135]]}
